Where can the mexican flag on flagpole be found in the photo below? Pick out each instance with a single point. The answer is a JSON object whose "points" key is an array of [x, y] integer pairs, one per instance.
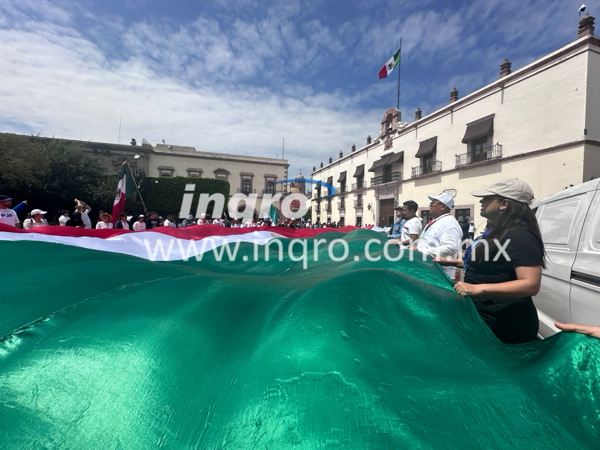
{"points": [[389, 66], [125, 187]]}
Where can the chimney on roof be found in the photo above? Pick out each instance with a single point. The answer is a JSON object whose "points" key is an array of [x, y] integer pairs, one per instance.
{"points": [[321, 164], [133, 143], [505, 68], [314, 168], [368, 139], [353, 147], [586, 26], [341, 154], [418, 114], [453, 95], [330, 160]]}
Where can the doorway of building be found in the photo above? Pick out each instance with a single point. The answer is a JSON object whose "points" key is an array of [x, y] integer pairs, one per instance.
{"points": [[386, 212], [462, 214], [425, 217]]}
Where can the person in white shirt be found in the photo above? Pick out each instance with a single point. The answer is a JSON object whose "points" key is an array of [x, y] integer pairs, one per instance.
{"points": [[7, 215], [105, 222], [412, 227], [84, 209], [140, 225], [202, 220], [37, 220], [64, 218], [472, 230], [441, 237], [169, 221]]}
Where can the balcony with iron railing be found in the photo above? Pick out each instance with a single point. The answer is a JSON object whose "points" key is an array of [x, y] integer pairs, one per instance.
{"points": [[489, 153], [356, 186], [358, 204], [341, 206], [386, 178], [328, 207], [341, 189], [419, 171]]}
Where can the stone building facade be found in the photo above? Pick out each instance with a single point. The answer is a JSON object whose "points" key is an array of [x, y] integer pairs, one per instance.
{"points": [[246, 174]]}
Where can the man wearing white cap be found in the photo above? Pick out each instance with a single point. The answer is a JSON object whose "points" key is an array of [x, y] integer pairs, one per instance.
{"points": [[441, 237], [37, 220]]}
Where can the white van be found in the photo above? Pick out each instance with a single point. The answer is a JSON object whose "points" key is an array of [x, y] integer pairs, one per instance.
{"points": [[570, 225]]}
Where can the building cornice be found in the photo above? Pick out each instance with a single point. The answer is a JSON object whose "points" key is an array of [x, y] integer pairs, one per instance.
{"points": [[227, 157]]}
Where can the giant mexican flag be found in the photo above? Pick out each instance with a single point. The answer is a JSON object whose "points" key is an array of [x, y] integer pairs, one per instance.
{"points": [[103, 347]]}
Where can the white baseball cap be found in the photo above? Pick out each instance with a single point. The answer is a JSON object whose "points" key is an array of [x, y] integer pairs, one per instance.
{"points": [[445, 198], [37, 211], [512, 188]]}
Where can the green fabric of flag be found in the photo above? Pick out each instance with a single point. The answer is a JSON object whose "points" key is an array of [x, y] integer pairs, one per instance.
{"points": [[108, 351], [273, 214]]}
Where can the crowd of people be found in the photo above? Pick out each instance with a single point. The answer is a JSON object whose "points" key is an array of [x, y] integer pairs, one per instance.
{"points": [[502, 268], [80, 218]]}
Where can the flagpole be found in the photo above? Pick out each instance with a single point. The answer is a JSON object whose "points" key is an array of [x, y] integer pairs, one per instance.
{"points": [[399, 67], [136, 186]]}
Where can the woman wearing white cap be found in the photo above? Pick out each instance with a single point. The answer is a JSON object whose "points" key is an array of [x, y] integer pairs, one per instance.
{"points": [[37, 220], [140, 225], [502, 281]]}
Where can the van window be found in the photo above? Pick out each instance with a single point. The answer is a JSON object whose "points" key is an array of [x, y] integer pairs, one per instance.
{"points": [[596, 237], [556, 221]]}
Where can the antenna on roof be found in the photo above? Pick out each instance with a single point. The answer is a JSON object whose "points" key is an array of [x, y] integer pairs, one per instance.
{"points": [[119, 138]]}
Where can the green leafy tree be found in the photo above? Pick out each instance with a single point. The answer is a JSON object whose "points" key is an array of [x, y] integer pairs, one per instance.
{"points": [[49, 173], [23, 162]]}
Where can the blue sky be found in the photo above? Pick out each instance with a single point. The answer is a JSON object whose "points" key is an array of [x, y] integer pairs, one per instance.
{"points": [[238, 76]]}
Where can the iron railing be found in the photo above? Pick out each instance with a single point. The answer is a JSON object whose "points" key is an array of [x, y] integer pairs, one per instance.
{"points": [[341, 189], [341, 206], [419, 171], [386, 178], [356, 186], [488, 153], [358, 204]]}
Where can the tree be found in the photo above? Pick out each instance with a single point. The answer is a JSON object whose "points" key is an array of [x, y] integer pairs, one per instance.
{"points": [[48, 172], [23, 162]]}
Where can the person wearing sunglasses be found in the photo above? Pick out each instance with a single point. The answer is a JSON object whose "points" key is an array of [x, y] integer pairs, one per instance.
{"points": [[504, 269], [441, 236]]}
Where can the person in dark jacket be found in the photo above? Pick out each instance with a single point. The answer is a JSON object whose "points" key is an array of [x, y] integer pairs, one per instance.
{"points": [[122, 222]]}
